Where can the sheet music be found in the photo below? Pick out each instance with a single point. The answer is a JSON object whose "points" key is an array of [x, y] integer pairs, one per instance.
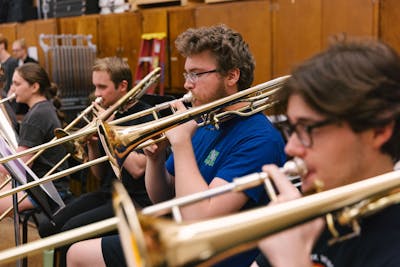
{"points": [[19, 171]]}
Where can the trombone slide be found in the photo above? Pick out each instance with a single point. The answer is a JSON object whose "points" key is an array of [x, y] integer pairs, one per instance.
{"points": [[9, 98], [201, 241]]}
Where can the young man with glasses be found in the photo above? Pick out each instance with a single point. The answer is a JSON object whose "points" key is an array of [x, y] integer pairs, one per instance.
{"points": [[218, 64], [343, 109]]}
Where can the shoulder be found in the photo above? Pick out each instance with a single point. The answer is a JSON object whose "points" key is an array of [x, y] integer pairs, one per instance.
{"points": [[30, 60], [41, 112], [257, 126]]}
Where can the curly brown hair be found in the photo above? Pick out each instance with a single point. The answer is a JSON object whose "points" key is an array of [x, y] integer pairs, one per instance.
{"points": [[228, 47]]}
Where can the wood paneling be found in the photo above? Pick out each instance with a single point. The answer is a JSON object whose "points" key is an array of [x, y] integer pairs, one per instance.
{"points": [[179, 21], [250, 18], [296, 33], [389, 28], [9, 30], [348, 17], [119, 35], [80, 25], [280, 33], [155, 20]]}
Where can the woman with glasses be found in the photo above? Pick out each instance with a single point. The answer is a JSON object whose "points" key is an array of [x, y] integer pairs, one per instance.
{"points": [[218, 64], [343, 109]]}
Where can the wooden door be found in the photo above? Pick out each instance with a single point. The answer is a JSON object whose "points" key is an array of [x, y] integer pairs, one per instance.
{"points": [[252, 19], [9, 31], [350, 18], [119, 35], [156, 21], [178, 21], [389, 27], [296, 30], [80, 25]]}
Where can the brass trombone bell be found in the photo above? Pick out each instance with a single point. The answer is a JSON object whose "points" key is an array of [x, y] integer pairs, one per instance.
{"points": [[210, 240], [151, 242], [173, 205], [132, 95]]}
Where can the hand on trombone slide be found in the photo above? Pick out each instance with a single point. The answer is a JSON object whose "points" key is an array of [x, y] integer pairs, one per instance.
{"points": [[183, 133], [301, 238]]}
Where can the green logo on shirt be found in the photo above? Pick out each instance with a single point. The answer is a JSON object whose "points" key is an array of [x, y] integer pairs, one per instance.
{"points": [[211, 158]]}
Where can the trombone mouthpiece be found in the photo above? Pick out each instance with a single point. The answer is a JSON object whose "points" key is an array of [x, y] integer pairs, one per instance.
{"points": [[98, 100], [295, 167], [11, 97], [187, 98]]}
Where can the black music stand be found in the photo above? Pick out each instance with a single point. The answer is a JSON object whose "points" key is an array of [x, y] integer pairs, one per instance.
{"points": [[45, 196]]}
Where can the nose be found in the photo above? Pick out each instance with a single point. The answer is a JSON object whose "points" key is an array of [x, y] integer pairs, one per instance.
{"points": [[97, 92], [188, 85], [294, 147]]}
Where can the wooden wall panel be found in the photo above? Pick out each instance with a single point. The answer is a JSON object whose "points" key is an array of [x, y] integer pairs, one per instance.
{"points": [[155, 20], [9, 30], [130, 27], [250, 18], [80, 25], [31, 31], [296, 33], [179, 21], [349, 17], [119, 35], [389, 27]]}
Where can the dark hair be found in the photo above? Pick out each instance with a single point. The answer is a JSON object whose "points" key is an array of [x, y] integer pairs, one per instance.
{"points": [[356, 81], [3, 40], [117, 68], [34, 73], [228, 47]]}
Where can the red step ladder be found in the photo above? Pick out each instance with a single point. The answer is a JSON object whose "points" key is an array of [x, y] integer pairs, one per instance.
{"points": [[151, 56]]}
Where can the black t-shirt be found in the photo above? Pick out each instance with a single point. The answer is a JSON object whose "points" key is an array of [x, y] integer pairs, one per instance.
{"points": [[37, 128], [378, 244], [9, 66], [135, 187]]}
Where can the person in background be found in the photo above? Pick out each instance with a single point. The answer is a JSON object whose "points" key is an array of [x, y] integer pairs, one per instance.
{"points": [[112, 79], [218, 64], [20, 52], [32, 86], [8, 63], [5, 106], [343, 109]]}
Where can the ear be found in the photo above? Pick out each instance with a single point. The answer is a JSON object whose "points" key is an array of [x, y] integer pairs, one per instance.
{"points": [[382, 134], [35, 88], [233, 77], [123, 86]]}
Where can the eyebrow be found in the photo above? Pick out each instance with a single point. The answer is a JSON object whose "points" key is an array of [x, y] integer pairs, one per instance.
{"points": [[304, 120]]}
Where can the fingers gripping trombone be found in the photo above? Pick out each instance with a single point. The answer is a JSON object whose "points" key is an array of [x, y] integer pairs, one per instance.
{"points": [[180, 244]]}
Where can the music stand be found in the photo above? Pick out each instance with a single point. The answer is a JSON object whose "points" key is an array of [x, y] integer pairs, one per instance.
{"points": [[45, 195]]}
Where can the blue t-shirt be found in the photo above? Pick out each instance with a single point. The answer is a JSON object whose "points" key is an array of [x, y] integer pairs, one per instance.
{"points": [[239, 147]]}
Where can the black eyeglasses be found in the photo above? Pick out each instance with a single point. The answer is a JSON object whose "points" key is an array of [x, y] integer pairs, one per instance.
{"points": [[303, 130], [193, 77]]}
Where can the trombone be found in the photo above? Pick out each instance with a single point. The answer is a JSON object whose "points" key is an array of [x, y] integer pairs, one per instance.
{"points": [[151, 111], [77, 150], [121, 140], [84, 232], [161, 242], [132, 96], [9, 98]]}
